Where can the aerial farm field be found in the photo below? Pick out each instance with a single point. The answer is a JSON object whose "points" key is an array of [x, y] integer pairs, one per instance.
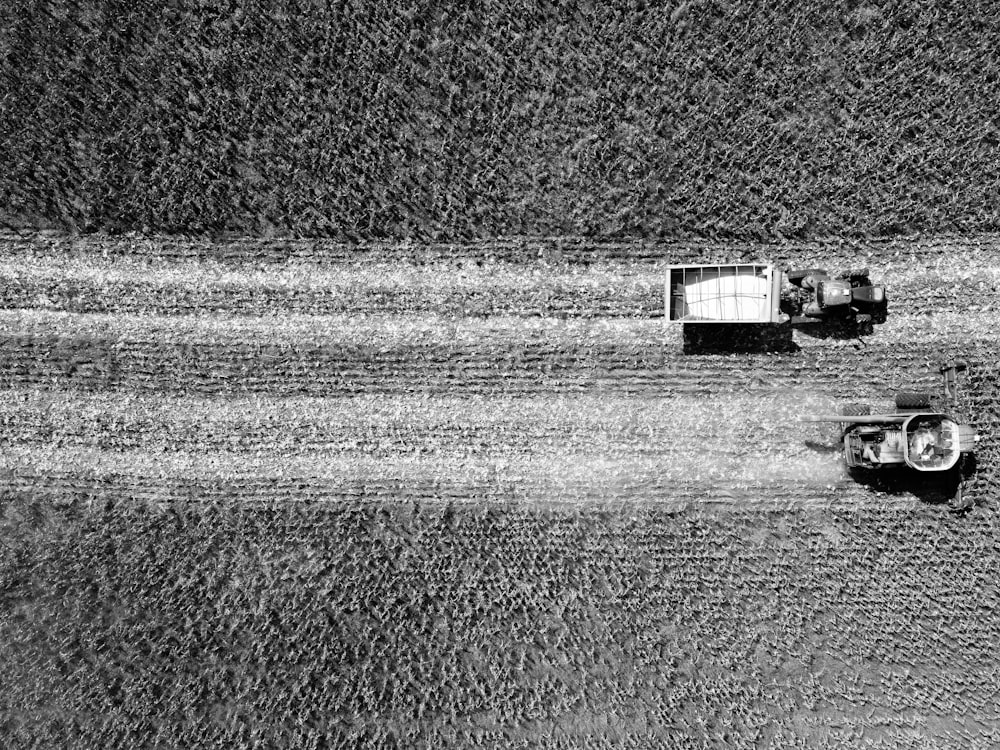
{"points": [[443, 476], [289, 493]]}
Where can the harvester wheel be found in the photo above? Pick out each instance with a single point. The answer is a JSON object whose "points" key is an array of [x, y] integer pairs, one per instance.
{"points": [[855, 275], [880, 313], [864, 324], [913, 400], [796, 276], [855, 410]]}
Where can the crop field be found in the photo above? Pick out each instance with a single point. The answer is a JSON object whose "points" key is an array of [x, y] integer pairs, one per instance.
{"points": [[294, 493], [338, 408], [404, 119]]}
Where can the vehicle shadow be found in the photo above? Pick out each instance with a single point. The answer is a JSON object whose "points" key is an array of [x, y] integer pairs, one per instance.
{"points": [[729, 338], [929, 487], [834, 329]]}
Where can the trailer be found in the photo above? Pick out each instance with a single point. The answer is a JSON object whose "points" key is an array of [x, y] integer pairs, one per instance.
{"points": [[742, 293], [733, 293]]}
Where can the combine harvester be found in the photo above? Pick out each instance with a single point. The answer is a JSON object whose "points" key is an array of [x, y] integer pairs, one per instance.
{"points": [[702, 297], [913, 437]]}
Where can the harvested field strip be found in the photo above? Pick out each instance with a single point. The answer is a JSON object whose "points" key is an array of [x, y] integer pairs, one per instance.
{"points": [[386, 332], [88, 487], [546, 474], [363, 329], [89, 284], [546, 448], [497, 363], [488, 293], [612, 425]]}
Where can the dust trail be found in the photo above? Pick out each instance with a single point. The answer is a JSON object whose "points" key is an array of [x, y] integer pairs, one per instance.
{"points": [[546, 446], [752, 441]]}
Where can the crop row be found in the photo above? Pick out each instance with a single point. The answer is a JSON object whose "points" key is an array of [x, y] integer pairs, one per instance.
{"points": [[563, 250], [404, 623]]}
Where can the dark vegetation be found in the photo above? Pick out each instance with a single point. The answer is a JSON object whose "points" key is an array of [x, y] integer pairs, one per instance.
{"points": [[469, 120], [414, 625]]}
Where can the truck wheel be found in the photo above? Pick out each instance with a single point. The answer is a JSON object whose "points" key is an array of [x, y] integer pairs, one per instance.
{"points": [[913, 400], [855, 410], [796, 276]]}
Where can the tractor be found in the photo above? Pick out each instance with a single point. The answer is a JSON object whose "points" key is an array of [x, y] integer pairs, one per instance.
{"points": [[813, 295], [914, 437]]}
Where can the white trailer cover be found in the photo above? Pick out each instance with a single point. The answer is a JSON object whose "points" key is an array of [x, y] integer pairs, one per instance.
{"points": [[742, 293]]}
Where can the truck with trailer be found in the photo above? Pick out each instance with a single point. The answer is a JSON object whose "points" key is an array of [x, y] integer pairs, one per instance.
{"points": [[761, 293]]}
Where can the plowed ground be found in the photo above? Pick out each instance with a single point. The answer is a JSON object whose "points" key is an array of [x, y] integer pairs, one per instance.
{"points": [[501, 505]]}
